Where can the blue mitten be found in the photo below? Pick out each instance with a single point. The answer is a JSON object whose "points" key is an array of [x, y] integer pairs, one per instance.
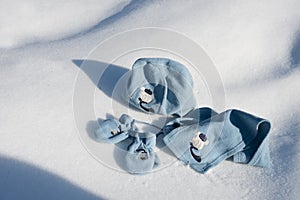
{"points": [[161, 86], [141, 157], [204, 141], [114, 131]]}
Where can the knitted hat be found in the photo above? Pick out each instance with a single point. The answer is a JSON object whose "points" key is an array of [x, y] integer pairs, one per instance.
{"points": [[204, 141], [161, 86]]}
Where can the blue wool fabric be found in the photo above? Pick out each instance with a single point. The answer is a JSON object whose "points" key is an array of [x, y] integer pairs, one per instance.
{"points": [[113, 131], [204, 138], [161, 86], [141, 158]]}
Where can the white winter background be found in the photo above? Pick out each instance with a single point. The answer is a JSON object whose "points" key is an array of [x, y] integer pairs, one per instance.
{"points": [[255, 45]]}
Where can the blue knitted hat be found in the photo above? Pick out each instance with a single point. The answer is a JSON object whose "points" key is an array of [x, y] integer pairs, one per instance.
{"points": [[161, 86], [203, 138]]}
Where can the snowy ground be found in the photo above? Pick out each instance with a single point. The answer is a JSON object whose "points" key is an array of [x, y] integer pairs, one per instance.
{"points": [[255, 46]]}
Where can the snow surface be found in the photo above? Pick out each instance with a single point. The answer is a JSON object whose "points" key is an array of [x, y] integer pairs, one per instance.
{"points": [[255, 46]]}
